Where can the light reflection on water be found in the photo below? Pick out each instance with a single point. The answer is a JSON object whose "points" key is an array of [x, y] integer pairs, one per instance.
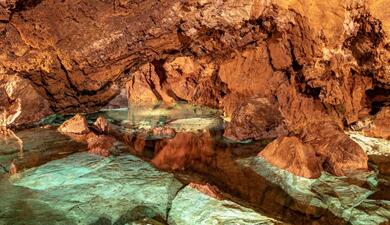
{"points": [[197, 153]]}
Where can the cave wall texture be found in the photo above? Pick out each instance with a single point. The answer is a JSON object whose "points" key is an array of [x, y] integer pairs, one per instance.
{"points": [[276, 67]]}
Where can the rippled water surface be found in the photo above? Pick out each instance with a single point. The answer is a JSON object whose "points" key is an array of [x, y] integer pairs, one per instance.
{"points": [[46, 178]]}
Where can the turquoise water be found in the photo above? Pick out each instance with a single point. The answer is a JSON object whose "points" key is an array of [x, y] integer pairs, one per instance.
{"points": [[45, 178]]}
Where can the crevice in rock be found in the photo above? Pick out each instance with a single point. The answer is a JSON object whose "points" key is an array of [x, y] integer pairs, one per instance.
{"points": [[4, 168], [170, 202]]}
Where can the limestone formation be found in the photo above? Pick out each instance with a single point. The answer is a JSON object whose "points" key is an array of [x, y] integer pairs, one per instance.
{"points": [[274, 66]]}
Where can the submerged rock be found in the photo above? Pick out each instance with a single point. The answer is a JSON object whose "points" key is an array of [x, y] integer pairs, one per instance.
{"points": [[86, 188], [192, 207], [336, 194]]}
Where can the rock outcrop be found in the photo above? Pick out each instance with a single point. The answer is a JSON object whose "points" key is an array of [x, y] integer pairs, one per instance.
{"points": [[20, 103], [380, 127], [97, 140], [291, 154], [273, 66]]}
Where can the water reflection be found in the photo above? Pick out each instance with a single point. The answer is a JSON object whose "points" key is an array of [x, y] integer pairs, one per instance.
{"points": [[10, 139], [33, 147], [210, 156]]}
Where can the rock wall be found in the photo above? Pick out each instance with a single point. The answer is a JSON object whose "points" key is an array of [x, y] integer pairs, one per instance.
{"points": [[275, 67]]}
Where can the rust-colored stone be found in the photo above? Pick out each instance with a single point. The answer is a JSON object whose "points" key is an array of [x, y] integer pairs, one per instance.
{"points": [[291, 154], [380, 127]]}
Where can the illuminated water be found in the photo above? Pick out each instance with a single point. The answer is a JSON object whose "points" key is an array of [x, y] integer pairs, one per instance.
{"points": [[57, 182]]}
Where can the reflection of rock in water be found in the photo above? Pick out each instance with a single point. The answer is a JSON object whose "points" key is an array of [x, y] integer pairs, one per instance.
{"points": [[9, 138], [201, 153], [33, 147]]}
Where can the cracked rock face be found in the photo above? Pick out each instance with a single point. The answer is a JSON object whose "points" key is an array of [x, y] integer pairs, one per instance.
{"points": [[310, 62]]}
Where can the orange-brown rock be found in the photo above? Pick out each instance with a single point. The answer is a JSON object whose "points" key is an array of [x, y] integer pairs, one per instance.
{"points": [[255, 119], [77, 129], [78, 55], [339, 154], [208, 189], [99, 144], [164, 132], [76, 125], [291, 154], [380, 127], [101, 124], [320, 146], [145, 88], [20, 103]]}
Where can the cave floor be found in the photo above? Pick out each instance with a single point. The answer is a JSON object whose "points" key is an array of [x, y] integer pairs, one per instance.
{"points": [[197, 177]]}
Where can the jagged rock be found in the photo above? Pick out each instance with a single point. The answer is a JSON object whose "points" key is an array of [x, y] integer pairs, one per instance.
{"points": [[208, 189], [121, 189], [20, 103], [98, 143], [209, 210], [145, 88], [164, 132], [380, 127], [291, 154], [77, 125], [339, 154], [205, 52], [102, 125], [255, 119]]}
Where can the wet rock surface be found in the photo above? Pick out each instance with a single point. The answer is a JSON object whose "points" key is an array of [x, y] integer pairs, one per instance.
{"points": [[215, 175], [87, 188], [211, 211], [20, 104]]}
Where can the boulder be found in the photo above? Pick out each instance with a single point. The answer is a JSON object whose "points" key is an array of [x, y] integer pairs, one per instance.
{"points": [[291, 154], [101, 125], [338, 152], [76, 125]]}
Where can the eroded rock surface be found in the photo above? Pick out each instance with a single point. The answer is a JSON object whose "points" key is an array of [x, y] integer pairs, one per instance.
{"points": [[229, 54], [380, 127], [97, 140], [20, 103], [293, 155]]}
